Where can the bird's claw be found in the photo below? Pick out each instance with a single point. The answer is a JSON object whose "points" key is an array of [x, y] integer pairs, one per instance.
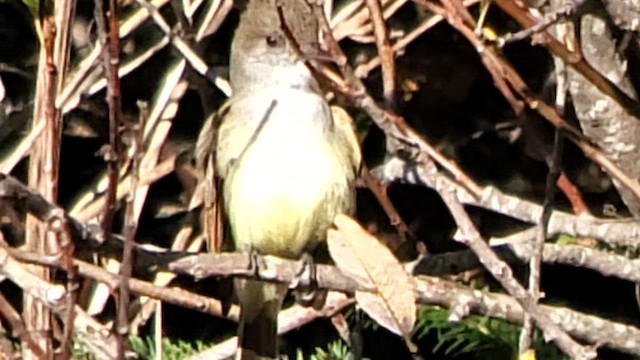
{"points": [[305, 283]]}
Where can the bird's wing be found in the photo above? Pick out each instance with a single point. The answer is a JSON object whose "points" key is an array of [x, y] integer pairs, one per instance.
{"points": [[344, 125]]}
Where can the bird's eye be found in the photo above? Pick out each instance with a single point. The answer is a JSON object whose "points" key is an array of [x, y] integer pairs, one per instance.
{"points": [[274, 40]]}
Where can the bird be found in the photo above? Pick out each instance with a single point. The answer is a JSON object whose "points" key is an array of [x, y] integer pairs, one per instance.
{"points": [[287, 165]]}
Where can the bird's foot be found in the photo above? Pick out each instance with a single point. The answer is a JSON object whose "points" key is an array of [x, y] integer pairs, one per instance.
{"points": [[253, 267], [305, 284]]}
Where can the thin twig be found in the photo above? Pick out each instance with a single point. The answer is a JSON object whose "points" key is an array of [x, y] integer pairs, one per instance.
{"points": [[385, 51], [130, 229], [553, 176], [11, 316], [526, 335], [59, 225], [542, 24], [379, 190], [175, 296], [112, 152], [400, 45]]}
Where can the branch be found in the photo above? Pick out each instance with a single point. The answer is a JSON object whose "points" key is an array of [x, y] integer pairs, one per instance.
{"points": [[384, 51], [85, 237], [502, 272], [13, 318], [234, 264], [16, 193], [175, 296], [429, 290], [622, 233], [588, 328], [518, 249]]}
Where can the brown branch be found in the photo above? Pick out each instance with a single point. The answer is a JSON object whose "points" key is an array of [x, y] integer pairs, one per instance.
{"points": [[112, 65], [394, 126], [229, 264], [131, 220], [59, 225], [289, 319], [130, 229], [573, 194], [48, 294], [175, 296], [540, 26], [519, 11], [25, 198], [535, 262], [518, 249], [363, 70], [108, 34], [458, 17], [8, 313], [553, 176], [52, 296], [98, 338], [36, 316], [589, 328], [385, 51], [379, 190], [430, 290], [44, 160], [526, 337]]}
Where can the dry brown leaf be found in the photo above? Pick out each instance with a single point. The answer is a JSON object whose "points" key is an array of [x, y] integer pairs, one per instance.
{"points": [[364, 259]]}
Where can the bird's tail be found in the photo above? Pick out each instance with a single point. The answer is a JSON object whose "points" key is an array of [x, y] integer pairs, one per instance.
{"points": [[260, 303]]}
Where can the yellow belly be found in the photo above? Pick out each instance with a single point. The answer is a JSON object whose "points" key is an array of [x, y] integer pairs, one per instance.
{"points": [[283, 193]]}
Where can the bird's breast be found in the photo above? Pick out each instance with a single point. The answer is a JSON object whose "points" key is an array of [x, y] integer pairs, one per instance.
{"points": [[291, 180]]}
